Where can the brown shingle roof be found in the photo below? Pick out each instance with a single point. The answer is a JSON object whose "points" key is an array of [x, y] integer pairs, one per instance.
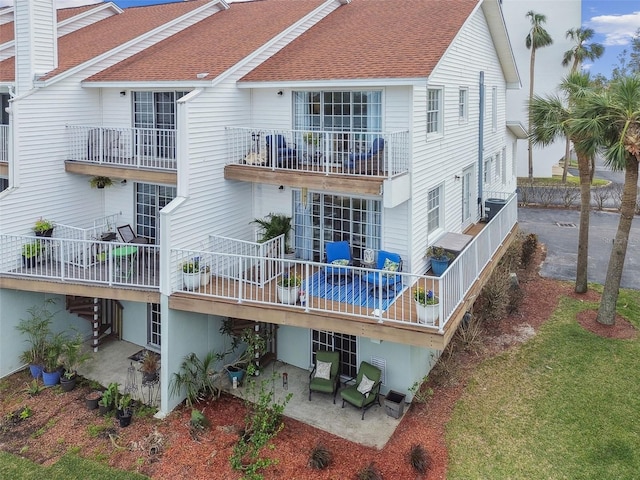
{"points": [[100, 37], [6, 30], [213, 45], [370, 39]]}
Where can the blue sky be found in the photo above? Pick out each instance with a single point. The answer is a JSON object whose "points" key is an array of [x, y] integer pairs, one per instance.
{"points": [[614, 22]]}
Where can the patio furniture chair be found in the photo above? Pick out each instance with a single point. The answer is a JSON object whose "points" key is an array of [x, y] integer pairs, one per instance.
{"points": [[368, 163], [128, 235], [366, 391], [384, 278], [325, 376], [285, 156], [339, 256]]}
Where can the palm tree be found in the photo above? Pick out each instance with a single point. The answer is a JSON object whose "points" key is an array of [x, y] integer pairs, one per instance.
{"points": [[613, 117], [537, 38], [551, 117], [581, 51]]}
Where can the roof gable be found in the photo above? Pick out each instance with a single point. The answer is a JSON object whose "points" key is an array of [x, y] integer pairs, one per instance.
{"points": [[98, 38], [213, 45], [369, 39]]}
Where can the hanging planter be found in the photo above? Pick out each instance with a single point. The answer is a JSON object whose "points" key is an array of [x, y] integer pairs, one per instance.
{"points": [[100, 182]]}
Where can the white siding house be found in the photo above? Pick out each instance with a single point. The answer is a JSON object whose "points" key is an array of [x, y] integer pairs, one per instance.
{"points": [[560, 17], [410, 142]]}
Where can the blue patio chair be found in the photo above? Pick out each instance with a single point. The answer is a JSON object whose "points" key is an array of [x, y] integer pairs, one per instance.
{"points": [[339, 256], [384, 278], [285, 156], [368, 163]]}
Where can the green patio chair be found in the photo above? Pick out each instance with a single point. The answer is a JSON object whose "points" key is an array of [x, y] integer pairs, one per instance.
{"points": [[317, 380], [354, 393]]}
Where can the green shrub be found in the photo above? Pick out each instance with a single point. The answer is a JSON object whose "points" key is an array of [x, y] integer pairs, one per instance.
{"points": [[370, 472], [320, 457], [529, 246], [419, 458]]}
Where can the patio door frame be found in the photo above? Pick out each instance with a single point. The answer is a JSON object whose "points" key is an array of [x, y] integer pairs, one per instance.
{"points": [[154, 324], [147, 213], [346, 344], [467, 195]]}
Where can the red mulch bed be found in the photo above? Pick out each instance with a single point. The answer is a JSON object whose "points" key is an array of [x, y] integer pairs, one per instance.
{"points": [[168, 450]]}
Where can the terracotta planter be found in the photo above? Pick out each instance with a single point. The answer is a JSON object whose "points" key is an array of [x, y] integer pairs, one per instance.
{"points": [[428, 314]]}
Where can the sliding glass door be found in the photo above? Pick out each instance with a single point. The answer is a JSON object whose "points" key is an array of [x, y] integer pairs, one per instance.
{"points": [[320, 218], [342, 115]]}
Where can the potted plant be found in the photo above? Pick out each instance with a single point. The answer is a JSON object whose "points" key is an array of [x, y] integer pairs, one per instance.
{"points": [[124, 410], [191, 274], [52, 366], [149, 366], [36, 329], [440, 259], [288, 288], [43, 227], [205, 275], [248, 361], [31, 254], [426, 306], [92, 398], [109, 398], [71, 358], [100, 182], [274, 225]]}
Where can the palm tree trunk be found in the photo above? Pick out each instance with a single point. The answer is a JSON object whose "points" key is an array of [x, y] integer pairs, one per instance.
{"points": [[583, 235], [607, 310], [567, 159], [531, 78]]}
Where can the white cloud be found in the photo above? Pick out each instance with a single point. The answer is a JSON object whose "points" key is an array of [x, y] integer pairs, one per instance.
{"points": [[616, 29]]}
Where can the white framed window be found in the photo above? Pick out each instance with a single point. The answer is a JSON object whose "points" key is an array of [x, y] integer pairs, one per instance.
{"points": [[494, 109], [463, 104], [434, 111], [496, 167], [504, 165], [487, 170], [153, 324], [434, 210]]}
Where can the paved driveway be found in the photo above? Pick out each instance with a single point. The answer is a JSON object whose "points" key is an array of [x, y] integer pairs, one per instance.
{"points": [[553, 229]]}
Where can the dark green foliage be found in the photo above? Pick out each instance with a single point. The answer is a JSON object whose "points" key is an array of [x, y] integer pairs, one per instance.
{"points": [[493, 300], [198, 421], [419, 458], [262, 423], [370, 472], [529, 246], [195, 377], [320, 457]]}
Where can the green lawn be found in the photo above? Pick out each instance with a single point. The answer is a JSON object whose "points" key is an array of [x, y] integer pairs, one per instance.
{"points": [[565, 405], [69, 467]]}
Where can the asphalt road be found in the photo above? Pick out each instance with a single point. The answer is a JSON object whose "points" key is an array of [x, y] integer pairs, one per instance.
{"points": [[558, 230]]}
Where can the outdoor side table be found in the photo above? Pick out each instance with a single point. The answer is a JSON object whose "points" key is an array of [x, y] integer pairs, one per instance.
{"points": [[124, 261]]}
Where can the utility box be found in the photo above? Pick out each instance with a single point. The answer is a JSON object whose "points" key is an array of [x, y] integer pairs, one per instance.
{"points": [[492, 206], [394, 404]]}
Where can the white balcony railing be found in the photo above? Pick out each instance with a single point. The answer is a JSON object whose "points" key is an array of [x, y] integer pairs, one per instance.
{"points": [[81, 261], [4, 143], [378, 154], [232, 276], [153, 148]]}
